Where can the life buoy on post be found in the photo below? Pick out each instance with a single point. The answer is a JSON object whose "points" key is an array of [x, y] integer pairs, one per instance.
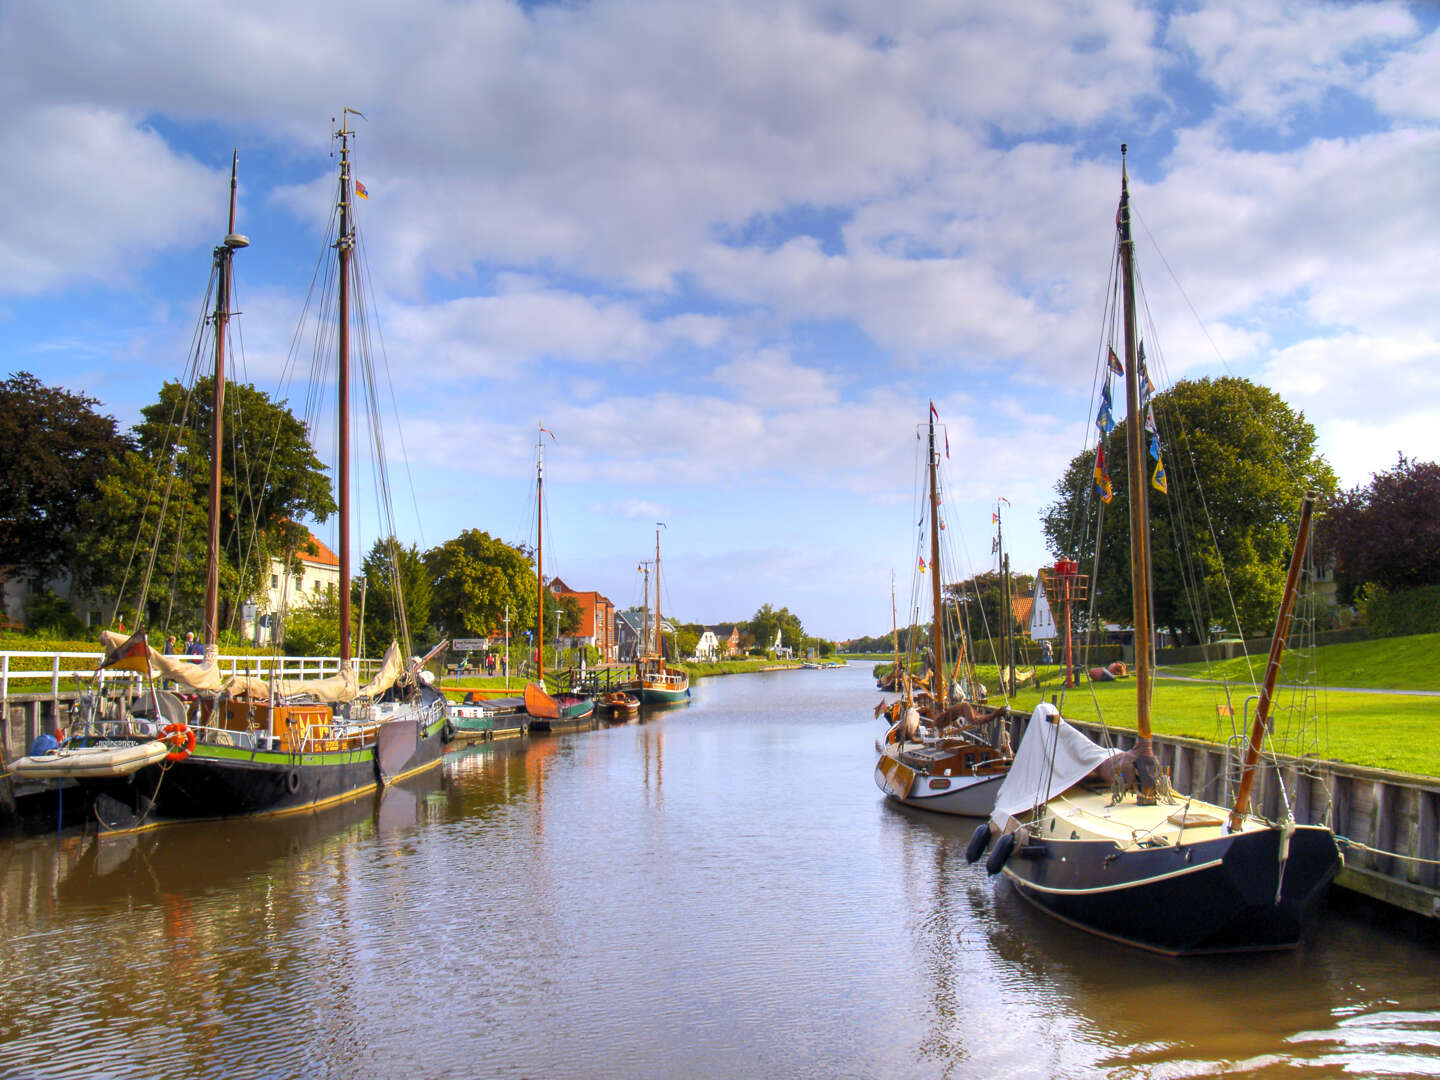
{"points": [[181, 738]]}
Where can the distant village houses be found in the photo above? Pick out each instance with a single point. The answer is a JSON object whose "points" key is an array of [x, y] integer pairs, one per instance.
{"points": [[597, 621]]}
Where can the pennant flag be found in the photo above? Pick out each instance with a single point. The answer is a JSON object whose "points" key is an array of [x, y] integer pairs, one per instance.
{"points": [[1103, 419], [1155, 446], [1150, 420], [942, 526], [360, 191], [947, 446], [1102, 478], [1146, 386], [132, 654], [922, 564], [547, 431], [995, 517], [1157, 481], [994, 545], [1115, 365], [933, 413]]}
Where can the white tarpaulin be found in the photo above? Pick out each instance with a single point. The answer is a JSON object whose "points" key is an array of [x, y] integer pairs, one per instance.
{"points": [[204, 676], [334, 690], [1052, 756], [390, 668]]}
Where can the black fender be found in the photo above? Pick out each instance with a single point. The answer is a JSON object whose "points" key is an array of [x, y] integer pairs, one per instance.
{"points": [[1003, 847], [978, 843]]}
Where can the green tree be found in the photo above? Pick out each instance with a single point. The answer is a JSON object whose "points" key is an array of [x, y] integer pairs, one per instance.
{"points": [[1387, 532], [158, 502], [473, 578], [396, 580], [313, 629], [1238, 460], [56, 451]]}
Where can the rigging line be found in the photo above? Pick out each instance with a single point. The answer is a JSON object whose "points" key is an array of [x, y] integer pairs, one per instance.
{"points": [[1294, 478]]}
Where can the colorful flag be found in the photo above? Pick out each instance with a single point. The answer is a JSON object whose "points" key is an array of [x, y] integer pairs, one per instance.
{"points": [[947, 446], [1146, 386], [1150, 420], [1115, 365], [995, 517], [994, 545], [360, 190], [1102, 478], [1157, 481], [1155, 446], [1103, 419], [922, 564], [547, 431], [933, 413], [132, 654]]}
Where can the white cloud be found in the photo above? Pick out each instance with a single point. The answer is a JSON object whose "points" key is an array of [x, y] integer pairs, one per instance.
{"points": [[90, 194]]}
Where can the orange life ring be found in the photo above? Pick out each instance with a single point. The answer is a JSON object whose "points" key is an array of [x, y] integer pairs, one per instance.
{"points": [[182, 737]]}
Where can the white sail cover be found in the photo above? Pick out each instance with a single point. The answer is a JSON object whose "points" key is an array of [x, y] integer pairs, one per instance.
{"points": [[334, 690], [391, 665], [202, 677], [1052, 756]]}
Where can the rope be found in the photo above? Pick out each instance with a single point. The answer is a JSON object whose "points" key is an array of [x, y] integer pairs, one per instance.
{"points": [[1389, 854]]}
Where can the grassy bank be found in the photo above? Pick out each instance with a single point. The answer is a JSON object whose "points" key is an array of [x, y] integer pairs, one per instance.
{"points": [[1400, 663], [1384, 731]]}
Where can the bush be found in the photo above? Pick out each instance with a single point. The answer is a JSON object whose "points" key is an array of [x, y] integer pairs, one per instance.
{"points": [[46, 613], [1405, 611]]}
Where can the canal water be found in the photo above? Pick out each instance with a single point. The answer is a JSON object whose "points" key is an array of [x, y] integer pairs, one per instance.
{"points": [[719, 891]]}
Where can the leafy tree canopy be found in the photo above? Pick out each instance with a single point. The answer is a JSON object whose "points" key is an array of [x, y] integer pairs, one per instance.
{"points": [[1238, 460], [396, 580], [1387, 532], [473, 579], [57, 450]]}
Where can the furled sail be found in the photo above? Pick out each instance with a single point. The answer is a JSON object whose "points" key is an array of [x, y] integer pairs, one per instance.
{"points": [[391, 665], [135, 654], [336, 689]]}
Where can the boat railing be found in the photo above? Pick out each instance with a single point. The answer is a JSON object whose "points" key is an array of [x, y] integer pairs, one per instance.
{"points": [[41, 672]]}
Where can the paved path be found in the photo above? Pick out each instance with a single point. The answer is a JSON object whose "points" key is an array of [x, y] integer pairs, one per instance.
{"points": [[1160, 674]]}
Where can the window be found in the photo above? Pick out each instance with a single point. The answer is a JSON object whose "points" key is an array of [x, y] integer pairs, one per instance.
{"points": [[274, 581], [315, 585]]}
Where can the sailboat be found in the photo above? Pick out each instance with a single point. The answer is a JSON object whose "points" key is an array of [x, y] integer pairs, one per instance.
{"points": [[254, 745], [656, 683], [939, 753], [1099, 840], [543, 707]]}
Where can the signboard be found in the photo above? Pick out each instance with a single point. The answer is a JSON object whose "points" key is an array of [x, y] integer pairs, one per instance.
{"points": [[474, 644], [249, 612]]}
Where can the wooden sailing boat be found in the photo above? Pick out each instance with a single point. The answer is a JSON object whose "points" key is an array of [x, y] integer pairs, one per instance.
{"points": [[656, 683], [1100, 841], [543, 707], [252, 745], [939, 752]]}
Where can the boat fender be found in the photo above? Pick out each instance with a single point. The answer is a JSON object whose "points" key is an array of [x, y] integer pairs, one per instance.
{"points": [[1003, 847], [181, 737], [44, 743], [292, 781], [978, 843]]}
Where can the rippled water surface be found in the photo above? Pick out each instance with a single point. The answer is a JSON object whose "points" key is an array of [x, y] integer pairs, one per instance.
{"points": [[719, 891]]}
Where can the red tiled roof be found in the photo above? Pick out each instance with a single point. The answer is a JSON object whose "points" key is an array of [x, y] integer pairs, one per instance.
{"points": [[313, 551]]}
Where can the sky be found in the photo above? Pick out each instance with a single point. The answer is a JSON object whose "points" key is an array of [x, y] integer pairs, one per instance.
{"points": [[729, 252]]}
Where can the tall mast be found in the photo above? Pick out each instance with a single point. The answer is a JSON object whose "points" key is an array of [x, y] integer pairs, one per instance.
{"points": [[345, 243], [942, 678], [659, 626], [210, 631], [540, 557], [1145, 762], [1272, 665], [645, 613], [1007, 663]]}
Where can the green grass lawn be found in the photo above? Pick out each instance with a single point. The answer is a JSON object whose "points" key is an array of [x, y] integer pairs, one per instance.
{"points": [[1401, 663], [1384, 731]]}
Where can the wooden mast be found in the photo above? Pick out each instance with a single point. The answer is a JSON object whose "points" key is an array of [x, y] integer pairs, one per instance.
{"points": [[345, 243], [659, 626], [1145, 763], [210, 630], [942, 677], [1272, 665], [540, 558]]}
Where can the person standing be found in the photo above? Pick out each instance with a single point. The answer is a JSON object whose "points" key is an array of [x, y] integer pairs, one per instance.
{"points": [[193, 647]]}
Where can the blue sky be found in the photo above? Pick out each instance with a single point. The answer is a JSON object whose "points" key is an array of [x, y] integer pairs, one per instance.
{"points": [[728, 252]]}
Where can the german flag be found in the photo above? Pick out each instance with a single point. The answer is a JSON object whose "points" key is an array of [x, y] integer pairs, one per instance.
{"points": [[133, 654]]}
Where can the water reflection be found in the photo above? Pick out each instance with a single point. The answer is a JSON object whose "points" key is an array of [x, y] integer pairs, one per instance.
{"points": [[717, 890]]}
